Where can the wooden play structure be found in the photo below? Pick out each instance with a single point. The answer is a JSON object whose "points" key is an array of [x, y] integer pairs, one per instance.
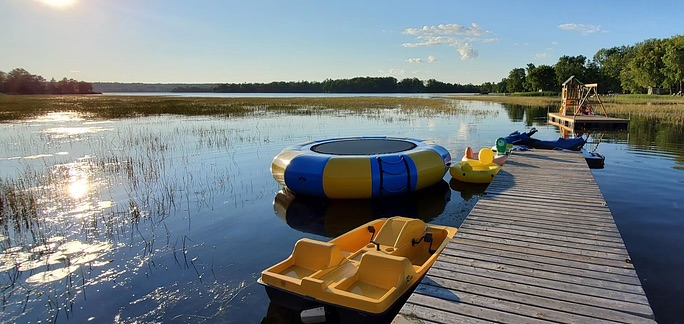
{"points": [[582, 108], [581, 99]]}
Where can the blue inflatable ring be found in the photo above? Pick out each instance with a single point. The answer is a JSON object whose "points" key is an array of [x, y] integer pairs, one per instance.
{"points": [[360, 167]]}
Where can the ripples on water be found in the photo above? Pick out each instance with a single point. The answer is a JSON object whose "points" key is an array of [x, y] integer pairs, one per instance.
{"points": [[160, 219]]}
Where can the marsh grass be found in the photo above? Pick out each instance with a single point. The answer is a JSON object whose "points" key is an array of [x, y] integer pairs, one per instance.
{"points": [[14, 108], [667, 109], [152, 172]]}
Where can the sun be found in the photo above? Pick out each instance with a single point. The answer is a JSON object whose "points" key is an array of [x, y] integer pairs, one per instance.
{"points": [[59, 3]]}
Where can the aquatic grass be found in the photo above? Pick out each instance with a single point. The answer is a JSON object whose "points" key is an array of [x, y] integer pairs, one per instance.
{"points": [[35, 205], [667, 109], [13, 108]]}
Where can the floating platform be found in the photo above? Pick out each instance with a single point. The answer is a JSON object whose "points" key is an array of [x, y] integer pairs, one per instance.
{"points": [[529, 254], [588, 122], [360, 167]]}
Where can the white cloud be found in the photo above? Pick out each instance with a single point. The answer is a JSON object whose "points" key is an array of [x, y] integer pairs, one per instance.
{"points": [[554, 43], [541, 56], [397, 73], [448, 29], [467, 51], [584, 29], [418, 60], [452, 35]]}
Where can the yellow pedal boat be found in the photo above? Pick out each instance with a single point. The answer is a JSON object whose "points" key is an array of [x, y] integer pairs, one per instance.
{"points": [[481, 171], [365, 270]]}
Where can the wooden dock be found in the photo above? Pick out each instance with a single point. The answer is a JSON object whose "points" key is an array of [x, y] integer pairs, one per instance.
{"points": [[540, 246], [588, 122]]}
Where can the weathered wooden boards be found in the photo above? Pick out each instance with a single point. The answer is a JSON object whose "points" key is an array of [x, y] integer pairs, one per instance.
{"points": [[541, 245]]}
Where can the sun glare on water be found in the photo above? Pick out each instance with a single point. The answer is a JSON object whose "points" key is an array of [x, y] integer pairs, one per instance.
{"points": [[59, 3]]}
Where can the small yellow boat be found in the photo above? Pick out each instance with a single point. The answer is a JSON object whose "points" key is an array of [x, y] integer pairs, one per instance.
{"points": [[471, 155], [481, 171], [365, 270]]}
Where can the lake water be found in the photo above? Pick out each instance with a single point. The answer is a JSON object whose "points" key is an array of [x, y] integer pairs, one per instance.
{"points": [[172, 219]]}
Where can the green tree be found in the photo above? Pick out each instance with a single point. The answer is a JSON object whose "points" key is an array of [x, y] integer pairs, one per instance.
{"points": [[592, 73], [611, 62], [84, 87], [501, 86], [674, 62], [542, 78], [530, 67], [516, 80], [646, 69], [3, 81], [52, 87], [412, 85], [67, 86], [568, 66], [434, 86], [487, 87], [20, 81], [628, 80]]}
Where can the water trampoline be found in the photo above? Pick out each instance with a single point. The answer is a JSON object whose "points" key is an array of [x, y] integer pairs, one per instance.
{"points": [[360, 167]]}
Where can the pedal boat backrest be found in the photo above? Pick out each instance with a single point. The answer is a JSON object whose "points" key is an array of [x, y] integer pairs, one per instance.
{"points": [[383, 270], [308, 258], [399, 231], [379, 281], [316, 255]]}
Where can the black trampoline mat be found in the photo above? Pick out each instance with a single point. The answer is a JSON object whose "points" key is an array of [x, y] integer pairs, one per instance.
{"points": [[366, 146]]}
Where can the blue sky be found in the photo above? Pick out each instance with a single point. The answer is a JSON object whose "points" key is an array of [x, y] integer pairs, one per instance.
{"points": [[206, 41]]}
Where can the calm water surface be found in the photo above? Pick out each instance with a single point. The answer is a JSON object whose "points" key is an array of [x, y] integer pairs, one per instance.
{"points": [[172, 219]]}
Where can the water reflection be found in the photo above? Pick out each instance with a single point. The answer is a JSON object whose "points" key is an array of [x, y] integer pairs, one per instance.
{"points": [[277, 314], [62, 132], [468, 190], [57, 117], [646, 136], [161, 219], [51, 261], [334, 217], [530, 116]]}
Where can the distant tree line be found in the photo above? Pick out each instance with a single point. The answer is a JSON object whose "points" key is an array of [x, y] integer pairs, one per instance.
{"points": [[353, 85], [646, 67], [20, 81], [152, 87]]}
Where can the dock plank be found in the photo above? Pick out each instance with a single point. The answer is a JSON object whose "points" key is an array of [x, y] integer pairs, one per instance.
{"points": [[540, 245], [548, 271]]}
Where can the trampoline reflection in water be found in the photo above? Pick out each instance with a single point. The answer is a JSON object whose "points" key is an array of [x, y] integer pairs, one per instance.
{"points": [[333, 217]]}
